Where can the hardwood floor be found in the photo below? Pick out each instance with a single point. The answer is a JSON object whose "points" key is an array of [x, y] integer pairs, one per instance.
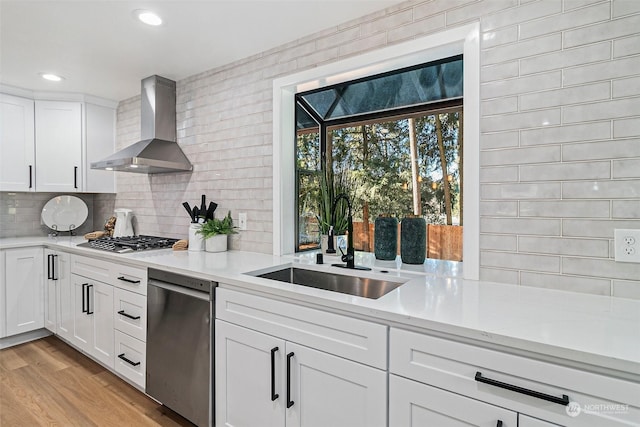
{"points": [[48, 383]]}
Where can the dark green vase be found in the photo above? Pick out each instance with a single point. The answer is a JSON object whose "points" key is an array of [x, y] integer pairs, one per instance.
{"points": [[385, 238], [413, 240]]}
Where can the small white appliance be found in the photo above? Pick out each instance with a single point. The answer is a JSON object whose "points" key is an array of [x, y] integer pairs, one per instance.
{"points": [[124, 222]]}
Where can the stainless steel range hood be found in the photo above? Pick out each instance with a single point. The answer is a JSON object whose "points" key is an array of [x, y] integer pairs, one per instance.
{"points": [[158, 152]]}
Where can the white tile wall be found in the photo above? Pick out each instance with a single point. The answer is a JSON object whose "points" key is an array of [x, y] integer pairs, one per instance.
{"points": [[560, 114]]}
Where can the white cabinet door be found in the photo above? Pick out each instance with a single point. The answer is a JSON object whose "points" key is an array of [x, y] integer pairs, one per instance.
{"points": [[58, 146], [327, 390], [24, 290], [413, 404], [525, 421], [66, 304], [100, 310], [245, 396], [57, 271], [80, 317], [100, 143], [3, 293], [17, 149]]}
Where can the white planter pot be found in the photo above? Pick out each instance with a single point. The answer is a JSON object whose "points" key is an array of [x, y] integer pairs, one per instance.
{"points": [[216, 243], [195, 239]]}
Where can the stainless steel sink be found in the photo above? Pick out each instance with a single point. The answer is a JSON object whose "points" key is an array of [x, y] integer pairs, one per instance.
{"points": [[352, 285]]}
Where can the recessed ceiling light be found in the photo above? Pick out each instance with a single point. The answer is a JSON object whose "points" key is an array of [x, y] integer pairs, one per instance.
{"points": [[148, 17], [51, 77]]}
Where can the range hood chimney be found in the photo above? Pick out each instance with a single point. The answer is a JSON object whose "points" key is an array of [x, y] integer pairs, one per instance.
{"points": [[158, 152]]}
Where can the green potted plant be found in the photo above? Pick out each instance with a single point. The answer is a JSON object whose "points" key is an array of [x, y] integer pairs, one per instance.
{"points": [[332, 184], [215, 232]]}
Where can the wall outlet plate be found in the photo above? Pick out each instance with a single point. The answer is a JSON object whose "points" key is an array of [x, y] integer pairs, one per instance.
{"points": [[627, 245], [242, 220]]}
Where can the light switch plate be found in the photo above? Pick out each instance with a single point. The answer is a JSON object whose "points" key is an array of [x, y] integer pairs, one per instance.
{"points": [[242, 220], [627, 245]]}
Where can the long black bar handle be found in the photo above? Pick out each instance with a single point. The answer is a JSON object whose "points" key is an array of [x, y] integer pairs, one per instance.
{"points": [[84, 295], [289, 401], [75, 177], [30, 176], [274, 395], [499, 423], [130, 362], [124, 279], [564, 400], [54, 273], [122, 313], [49, 267], [89, 300]]}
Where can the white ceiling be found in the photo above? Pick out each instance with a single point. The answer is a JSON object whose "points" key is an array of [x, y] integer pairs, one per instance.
{"points": [[102, 50]]}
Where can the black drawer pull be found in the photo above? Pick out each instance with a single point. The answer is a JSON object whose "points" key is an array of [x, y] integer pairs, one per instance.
{"points": [[289, 401], [274, 395], [124, 279], [564, 400], [499, 423], [54, 273], [49, 267], [122, 312], [84, 297], [130, 362], [89, 300], [75, 177], [30, 176]]}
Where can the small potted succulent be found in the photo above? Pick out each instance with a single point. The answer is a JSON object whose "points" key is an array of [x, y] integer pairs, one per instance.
{"points": [[215, 233]]}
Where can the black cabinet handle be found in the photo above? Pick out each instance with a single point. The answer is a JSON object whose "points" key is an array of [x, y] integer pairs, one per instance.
{"points": [[130, 362], [54, 273], [89, 300], [124, 279], [84, 295], [121, 312], [499, 423], [289, 401], [274, 395], [75, 177], [564, 400], [49, 267], [30, 176]]}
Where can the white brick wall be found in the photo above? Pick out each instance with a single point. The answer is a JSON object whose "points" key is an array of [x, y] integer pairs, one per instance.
{"points": [[560, 135]]}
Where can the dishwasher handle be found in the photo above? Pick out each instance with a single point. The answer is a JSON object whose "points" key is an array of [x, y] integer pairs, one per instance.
{"points": [[179, 289]]}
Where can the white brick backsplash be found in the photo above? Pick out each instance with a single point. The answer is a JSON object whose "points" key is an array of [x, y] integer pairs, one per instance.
{"points": [[429, 8], [517, 156], [338, 38], [362, 45], [600, 268], [625, 7], [601, 110], [476, 10], [499, 174], [499, 37], [566, 133], [499, 276], [521, 85], [499, 71], [605, 31], [625, 209], [572, 95], [622, 189], [595, 228], [622, 148], [597, 248], [519, 261], [499, 208], [626, 87], [565, 209], [564, 21], [499, 106], [565, 171], [522, 49], [617, 68], [526, 120], [520, 191], [424, 26], [626, 46], [566, 283], [386, 22], [626, 168], [498, 242], [626, 289], [499, 140], [524, 13], [566, 58], [521, 226], [574, 4]]}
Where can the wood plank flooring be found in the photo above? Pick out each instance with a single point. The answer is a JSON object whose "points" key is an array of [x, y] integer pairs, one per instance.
{"points": [[48, 383]]}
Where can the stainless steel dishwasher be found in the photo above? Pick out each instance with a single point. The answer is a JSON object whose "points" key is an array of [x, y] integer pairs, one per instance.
{"points": [[180, 319]]}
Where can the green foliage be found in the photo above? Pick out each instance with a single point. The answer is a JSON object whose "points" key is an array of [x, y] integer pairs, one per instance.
{"points": [[333, 184], [215, 226]]}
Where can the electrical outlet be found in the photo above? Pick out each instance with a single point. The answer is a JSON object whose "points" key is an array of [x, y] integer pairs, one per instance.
{"points": [[242, 220], [627, 245]]}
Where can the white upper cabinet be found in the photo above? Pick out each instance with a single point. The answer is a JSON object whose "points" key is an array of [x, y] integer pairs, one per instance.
{"points": [[17, 149], [59, 146], [100, 143]]}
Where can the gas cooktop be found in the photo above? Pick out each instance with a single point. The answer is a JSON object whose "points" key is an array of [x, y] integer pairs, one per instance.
{"points": [[126, 244]]}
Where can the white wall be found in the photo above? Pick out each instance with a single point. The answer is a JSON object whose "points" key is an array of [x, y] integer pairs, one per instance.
{"points": [[560, 135]]}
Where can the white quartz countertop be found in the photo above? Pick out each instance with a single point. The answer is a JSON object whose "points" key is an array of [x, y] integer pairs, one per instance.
{"points": [[600, 331]]}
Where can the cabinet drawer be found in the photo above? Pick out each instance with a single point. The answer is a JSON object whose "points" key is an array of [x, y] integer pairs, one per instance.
{"points": [[130, 278], [91, 268], [353, 339], [134, 351], [130, 313], [453, 366]]}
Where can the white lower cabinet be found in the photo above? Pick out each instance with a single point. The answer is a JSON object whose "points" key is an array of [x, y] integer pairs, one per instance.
{"points": [[24, 290], [525, 421], [131, 358], [268, 380], [57, 271], [412, 404]]}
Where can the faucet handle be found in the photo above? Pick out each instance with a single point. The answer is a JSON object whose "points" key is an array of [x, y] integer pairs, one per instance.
{"points": [[346, 257]]}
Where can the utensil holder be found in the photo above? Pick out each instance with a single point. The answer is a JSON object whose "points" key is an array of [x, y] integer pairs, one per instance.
{"points": [[196, 243]]}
